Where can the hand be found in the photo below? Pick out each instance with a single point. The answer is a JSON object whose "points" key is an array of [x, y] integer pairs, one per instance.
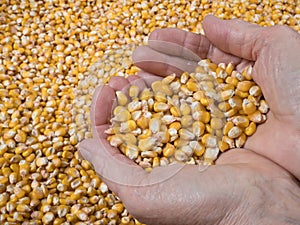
{"points": [[274, 53], [242, 188]]}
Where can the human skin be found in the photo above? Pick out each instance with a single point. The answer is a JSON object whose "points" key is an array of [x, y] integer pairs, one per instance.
{"points": [[274, 53], [243, 187]]}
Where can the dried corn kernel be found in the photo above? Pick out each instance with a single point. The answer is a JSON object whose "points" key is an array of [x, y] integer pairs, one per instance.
{"points": [[191, 124]]}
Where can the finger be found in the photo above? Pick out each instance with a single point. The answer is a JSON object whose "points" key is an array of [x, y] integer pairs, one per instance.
{"points": [[149, 78], [104, 99], [234, 37], [117, 170], [137, 81], [161, 64], [117, 82], [101, 107], [188, 45]]}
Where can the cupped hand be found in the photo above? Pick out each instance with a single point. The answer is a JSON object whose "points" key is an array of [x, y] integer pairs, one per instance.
{"points": [[274, 53], [242, 188]]}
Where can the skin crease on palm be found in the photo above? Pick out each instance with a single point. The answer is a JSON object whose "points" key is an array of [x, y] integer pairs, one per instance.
{"points": [[245, 186]]}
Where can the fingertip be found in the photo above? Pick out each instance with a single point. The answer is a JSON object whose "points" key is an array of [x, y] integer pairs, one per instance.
{"points": [[154, 35], [209, 18], [209, 23]]}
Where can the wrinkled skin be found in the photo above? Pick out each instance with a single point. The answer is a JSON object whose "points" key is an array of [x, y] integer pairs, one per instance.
{"points": [[253, 186]]}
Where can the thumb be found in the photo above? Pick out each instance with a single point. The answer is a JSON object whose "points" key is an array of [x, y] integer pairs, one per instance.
{"points": [[235, 37]]}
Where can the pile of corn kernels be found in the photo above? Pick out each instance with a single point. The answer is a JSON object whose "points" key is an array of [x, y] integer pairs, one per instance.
{"points": [[53, 53], [188, 119]]}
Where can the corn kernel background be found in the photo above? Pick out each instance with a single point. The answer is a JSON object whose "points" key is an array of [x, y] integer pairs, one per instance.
{"points": [[52, 56]]}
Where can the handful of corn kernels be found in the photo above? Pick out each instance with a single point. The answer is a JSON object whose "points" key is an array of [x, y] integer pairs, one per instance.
{"points": [[187, 119]]}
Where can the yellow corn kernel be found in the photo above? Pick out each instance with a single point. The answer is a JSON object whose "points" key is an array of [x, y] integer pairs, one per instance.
{"points": [[160, 97], [208, 129], [229, 141], [142, 122], [263, 106], [250, 130], [156, 86], [164, 135], [209, 140], [184, 77], [197, 147], [168, 150], [115, 140], [192, 85], [122, 116], [216, 123], [229, 68], [128, 126], [168, 79], [257, 117], [234, 132], [176, 125], [226, 86], [166, 89], [145, 134], [180, 156], [247, 72], [20, 193], [160, 107], [202, 116], [147, 144], [186, 134], [201, 70], [221, 73], [185, 109], [198, 95], [235, 102], [204, 101], [224, 106], [155, 162], [240, 141], [129, 138], [241, 121], [227, 94], [223, 146], [121, 98], [248, 107], [131, 151], [146, 94], [232, 80], [175, 111], [135, 105], [244, 86], [23, 208], [211, 154], [155, 125], [241, 94], [255, 91], [186, 120], [198, 128], [134, 91], [148, 154]]}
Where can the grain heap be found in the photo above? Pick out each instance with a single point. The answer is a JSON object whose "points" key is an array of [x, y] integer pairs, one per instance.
{"points": [[187, 119], [51, 53]]}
